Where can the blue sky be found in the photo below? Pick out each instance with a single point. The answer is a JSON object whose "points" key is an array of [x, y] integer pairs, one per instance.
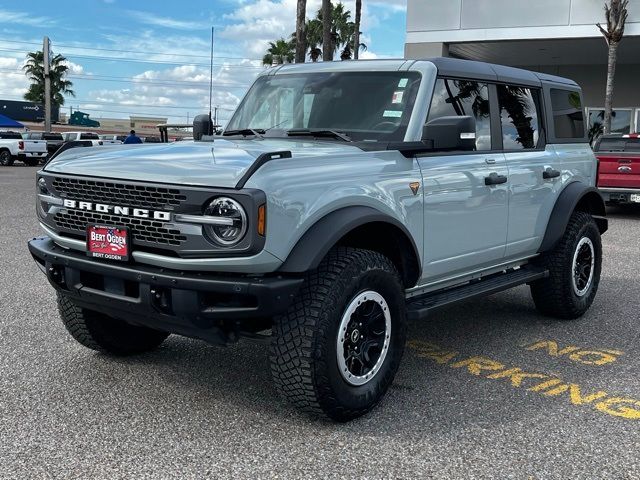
{"points": [[152, 56]]}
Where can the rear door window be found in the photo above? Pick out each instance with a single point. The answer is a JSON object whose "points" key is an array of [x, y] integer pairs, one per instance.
{"points": [[519, 117], [464, 98]]}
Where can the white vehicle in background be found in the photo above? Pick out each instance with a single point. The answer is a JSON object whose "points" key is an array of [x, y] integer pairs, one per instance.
{"points": [[13, 147], [77, 136], [112, 139]]}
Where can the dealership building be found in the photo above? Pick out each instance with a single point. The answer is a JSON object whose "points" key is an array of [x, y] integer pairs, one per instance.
{"points": [[558, 37]]}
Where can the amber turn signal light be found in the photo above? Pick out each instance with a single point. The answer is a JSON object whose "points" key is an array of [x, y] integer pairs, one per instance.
{"points": [[262, 219]]}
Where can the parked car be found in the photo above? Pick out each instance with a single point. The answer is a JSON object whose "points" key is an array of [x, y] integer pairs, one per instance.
{"points": [[112, 139], [320, 225], [77, 136], [152, 139], [54, 140], [619, 167], [13, 147]]}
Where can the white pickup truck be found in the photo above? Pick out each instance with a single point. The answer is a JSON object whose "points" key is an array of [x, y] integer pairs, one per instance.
{"points": [[13, 147], [84, 136]]}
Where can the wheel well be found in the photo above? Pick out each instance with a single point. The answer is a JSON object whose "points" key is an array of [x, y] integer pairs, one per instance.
{"points": [[593, 204], [391, 242]]}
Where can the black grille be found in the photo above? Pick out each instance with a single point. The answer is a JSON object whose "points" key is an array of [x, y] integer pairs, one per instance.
{"points": [[142, 230], [157, 198]]}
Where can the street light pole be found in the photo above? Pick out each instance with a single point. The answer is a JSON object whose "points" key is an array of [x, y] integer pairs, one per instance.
{"points": [[47, 85]]}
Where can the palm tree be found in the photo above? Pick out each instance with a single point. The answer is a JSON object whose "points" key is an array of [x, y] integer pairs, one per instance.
{"points": [[327, 43], [347, 39], [356, 33], [58, 70], [616, 15], [279, 52], [301, 44], [313, 31]]}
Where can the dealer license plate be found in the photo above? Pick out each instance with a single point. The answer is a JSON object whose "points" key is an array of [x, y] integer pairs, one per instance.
{"points": [[635, 197], [108, 242]]}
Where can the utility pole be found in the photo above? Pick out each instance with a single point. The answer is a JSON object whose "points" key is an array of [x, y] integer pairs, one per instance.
{"points": [[47, 85]]}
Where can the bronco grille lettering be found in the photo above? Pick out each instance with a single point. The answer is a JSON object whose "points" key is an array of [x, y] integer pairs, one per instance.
{"points": [[118, 210]]}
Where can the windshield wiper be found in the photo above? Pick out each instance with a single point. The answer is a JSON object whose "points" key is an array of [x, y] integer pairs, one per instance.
{"points": [[307, 132], [245, 132]]}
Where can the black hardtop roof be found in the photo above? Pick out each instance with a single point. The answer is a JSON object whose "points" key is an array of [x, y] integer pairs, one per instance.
{"points": [[456, 67]]}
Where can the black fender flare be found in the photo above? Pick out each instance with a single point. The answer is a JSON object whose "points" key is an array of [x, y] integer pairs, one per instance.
{"points": [[323, 235], [574, 194]]}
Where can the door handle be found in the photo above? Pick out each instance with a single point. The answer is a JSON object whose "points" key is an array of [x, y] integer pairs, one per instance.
{"points": [[490, 161], [550, 173], [495, 179]]}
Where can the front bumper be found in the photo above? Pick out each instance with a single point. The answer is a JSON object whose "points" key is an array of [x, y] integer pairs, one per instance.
{"points": [[202, 305]]}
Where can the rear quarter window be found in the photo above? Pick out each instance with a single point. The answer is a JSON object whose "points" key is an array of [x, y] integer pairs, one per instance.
{"points": [[89, 136], [618, 145], [568, 115], [10, 136]]}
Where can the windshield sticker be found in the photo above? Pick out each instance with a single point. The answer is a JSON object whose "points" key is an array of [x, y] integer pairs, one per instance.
{"points": [[397, 97], [392, 114], [403, 83]]}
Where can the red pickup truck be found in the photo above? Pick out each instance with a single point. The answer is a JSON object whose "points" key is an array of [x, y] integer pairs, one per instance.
{"points": [[619, 168]]}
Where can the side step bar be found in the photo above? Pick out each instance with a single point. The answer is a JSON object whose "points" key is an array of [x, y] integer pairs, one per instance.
{"points": [[419, 307]]}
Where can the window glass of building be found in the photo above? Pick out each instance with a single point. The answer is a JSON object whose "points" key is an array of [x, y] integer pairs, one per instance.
{"points": [[464, 98], [519, 117]]}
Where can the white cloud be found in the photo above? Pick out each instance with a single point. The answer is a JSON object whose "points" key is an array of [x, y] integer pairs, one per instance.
{"points": [[148, 18], [8, 17]]}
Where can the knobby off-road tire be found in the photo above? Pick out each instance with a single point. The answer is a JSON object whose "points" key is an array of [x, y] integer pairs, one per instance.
{"points": [[574, 276], [350, 288], [105, 334], [5, 158]]}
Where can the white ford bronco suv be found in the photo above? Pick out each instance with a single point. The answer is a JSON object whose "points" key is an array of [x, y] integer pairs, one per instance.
{"points": [[341, 200]]}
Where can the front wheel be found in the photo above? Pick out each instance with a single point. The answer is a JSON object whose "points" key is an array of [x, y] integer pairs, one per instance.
{"points": [[337, 349], [6, 160], [574, 271]]}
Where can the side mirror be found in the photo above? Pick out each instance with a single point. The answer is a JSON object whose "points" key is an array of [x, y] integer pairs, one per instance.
{"points": [[451, 133], [202, 125]]}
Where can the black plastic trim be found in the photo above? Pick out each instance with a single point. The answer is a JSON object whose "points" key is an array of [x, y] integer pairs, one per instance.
{"points": [[259, 162], [316, 242], [564, 208]]}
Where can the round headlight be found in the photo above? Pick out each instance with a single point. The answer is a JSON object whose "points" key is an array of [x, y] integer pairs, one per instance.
{"points": [[233, 221]]}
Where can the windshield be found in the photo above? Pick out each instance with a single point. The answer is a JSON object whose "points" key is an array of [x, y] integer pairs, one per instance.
{"points": [[366, 106]]}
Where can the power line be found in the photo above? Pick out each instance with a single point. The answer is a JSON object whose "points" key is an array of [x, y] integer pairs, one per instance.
{"points": [[153, 62], [113, 78], [89, 47]]}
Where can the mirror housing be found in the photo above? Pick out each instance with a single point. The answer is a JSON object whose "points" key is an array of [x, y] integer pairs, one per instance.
{"points": [[202, 125], [455, 133]]}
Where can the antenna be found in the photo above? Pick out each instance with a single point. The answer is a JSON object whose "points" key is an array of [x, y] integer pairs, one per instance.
{"points": [[211, 74]]}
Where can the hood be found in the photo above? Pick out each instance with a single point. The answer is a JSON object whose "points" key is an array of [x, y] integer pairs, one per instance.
{"points": [[216, 164]]}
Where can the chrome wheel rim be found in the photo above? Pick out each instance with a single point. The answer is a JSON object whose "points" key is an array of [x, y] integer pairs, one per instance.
{"points": [[363, 338], [584, 259]]}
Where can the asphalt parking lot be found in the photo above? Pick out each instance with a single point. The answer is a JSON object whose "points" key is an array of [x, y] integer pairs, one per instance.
{"points": [[458, 407]]}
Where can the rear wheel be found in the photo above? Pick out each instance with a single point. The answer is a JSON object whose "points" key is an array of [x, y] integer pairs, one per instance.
{"points": [[337, 349], [100, 332], [5, 158], [574, 271]]}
